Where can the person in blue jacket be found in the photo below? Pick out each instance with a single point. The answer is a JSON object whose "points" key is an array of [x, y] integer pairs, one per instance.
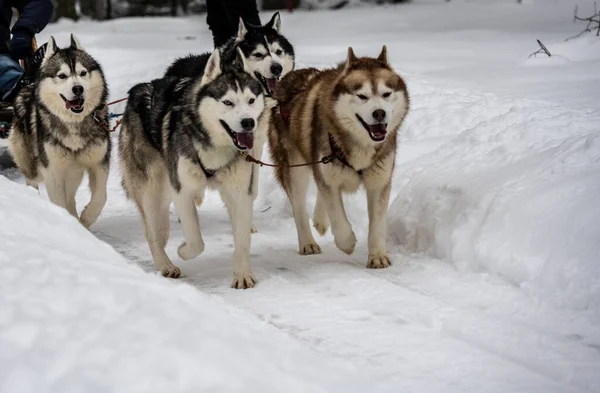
{"points": [[16, 43]]}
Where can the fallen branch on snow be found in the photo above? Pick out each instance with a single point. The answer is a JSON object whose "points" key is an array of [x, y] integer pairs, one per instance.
{"points": [[542, 49]]}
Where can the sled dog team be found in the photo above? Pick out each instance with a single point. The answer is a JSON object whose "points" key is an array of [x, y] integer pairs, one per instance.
{"points": [[199, 126]]}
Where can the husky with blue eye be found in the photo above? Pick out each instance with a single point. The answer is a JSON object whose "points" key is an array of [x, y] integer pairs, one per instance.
{"points": [[180, 136]]}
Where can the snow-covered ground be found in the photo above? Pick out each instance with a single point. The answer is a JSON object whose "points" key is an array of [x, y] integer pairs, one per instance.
{"points": [[494, 230]]}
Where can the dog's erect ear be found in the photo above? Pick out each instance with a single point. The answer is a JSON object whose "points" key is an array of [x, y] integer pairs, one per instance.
{"points": [[383, 56], [213, 68], [51, 49], [242, 31], [350, 60], [75, 43], [244, 62], [275, 23]]}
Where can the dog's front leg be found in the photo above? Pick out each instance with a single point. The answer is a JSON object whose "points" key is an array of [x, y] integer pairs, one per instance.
{"points": [[55, 185], [343, 234], [377, 200], [185, 205], [98, 179], [239, 205]]}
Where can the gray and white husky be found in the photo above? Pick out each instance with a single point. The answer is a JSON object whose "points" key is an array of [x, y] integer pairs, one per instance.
{"points": [[57, 132], [269, 57], [180, 136]]}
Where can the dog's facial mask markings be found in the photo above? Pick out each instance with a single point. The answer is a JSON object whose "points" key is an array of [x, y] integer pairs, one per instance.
{"points": [[237, 105], [241, 110], [369, 96]]}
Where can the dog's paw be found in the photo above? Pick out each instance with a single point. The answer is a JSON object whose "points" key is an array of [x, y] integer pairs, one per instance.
{"points": [[243, 280], [321, 227], [198, 201], [379, 261], [170, 271], [87, 219], [310, 249], [187, 252], [253, 229], [346, 243]]}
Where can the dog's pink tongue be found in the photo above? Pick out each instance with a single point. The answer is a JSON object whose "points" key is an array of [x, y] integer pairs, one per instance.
{"points": [[246, 139], [74, 104], [378, 130], [272, 84]]}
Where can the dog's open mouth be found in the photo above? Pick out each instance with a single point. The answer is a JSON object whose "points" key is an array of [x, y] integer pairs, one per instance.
{"points": [[76, 105], [376, 131], [241, 140], [270, 84]]}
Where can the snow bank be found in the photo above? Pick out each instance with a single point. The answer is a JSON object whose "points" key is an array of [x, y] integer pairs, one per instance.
{"points": [[75, 316], [515, 192]]}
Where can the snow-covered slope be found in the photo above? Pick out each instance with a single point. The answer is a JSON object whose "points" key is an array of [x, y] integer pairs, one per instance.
{"points": [[75, 316]]}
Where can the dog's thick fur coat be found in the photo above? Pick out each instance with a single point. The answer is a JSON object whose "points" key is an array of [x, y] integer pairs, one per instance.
{"points": [[353, 111], [180, 136], [56, 135]]}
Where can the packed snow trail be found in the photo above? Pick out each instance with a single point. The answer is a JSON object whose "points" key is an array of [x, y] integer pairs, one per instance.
{"points": [[494, 219]]}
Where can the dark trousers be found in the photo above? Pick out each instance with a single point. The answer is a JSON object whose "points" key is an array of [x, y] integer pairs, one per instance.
{"points": [[222, 17]]}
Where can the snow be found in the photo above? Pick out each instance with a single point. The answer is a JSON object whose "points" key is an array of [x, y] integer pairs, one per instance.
{"points": [[494, 230], [76, 316]]}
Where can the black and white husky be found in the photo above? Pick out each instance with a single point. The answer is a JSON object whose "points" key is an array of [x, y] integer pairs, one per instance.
{"points": [[268, 53], [269, 57], [180, 136], [58, 131]]}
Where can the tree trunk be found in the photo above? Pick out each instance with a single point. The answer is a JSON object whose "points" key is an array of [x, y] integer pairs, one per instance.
{"points": [[65, 9], [108, 9]]}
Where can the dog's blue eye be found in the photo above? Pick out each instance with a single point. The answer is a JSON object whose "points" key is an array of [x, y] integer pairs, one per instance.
{"points": [[62, 76], [362, 97], [251, 101], [228, 103], [386, 95]]}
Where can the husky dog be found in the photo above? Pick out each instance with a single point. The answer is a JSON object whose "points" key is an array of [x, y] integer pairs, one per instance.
{"points": [[59, 129], [180, 136], [269, 55], [348, 116]]}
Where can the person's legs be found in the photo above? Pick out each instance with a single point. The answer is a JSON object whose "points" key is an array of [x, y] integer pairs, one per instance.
{"points": [[222, 17], [10, 75]]}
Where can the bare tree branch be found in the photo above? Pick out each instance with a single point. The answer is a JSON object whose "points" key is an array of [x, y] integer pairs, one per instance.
{"points": [[593, 22]]}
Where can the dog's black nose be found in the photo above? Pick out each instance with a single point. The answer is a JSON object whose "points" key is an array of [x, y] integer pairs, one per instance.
{"points": [[78, 90], [276, 69], [247, 124], [379, 115]]}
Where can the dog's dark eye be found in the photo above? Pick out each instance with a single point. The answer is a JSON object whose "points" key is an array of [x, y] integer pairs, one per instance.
{"points": [[362, 97], [83, 73], [228, 103], [386, 95], [251, 101], [62, 76], [258, 55], [278, 52]]}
